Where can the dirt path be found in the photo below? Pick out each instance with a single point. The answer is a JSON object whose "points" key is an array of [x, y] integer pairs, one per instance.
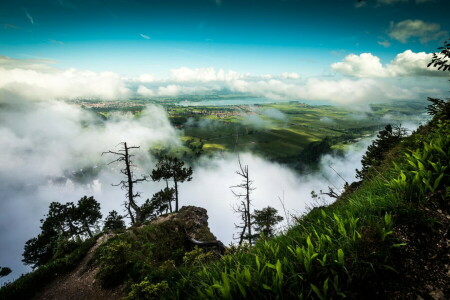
{"points": [[80, 283]]}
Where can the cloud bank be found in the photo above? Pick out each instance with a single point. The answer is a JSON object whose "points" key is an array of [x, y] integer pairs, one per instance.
{"points": [[39, 80], [406, 64]]}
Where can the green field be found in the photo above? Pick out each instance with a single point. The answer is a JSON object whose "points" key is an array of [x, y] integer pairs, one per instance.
{"points": [[277, 131], [285, 135]]}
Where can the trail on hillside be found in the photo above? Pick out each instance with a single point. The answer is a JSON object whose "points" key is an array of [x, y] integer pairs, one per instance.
{"points": [[81, 282]]}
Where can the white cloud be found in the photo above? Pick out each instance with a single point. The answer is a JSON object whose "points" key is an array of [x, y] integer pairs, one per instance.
{"points": [[343, 91], [144, 78], [405, 64], [145, 36], [384, 43], [424, 31], [184, 74], [30, 18], [37, 80], [363, 65], [173, 90], [28, 64], [144, 91], [290, 75]]}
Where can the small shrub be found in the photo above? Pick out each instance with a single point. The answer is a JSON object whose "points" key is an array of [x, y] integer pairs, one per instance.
{"points": [[198, 257], [147, 290], [114, 261]]}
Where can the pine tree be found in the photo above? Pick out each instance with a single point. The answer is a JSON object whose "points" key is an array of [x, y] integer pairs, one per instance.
{"points": [[171, 168], [265, 220], [88, 213], [114, 222], [376, 152]]}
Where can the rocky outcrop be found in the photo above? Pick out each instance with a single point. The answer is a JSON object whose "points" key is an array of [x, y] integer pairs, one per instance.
{"points": [[195, 224], [186, 229]]}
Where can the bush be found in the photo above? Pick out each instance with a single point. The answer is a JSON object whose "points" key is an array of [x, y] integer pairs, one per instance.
{"points": [[147, 290]]}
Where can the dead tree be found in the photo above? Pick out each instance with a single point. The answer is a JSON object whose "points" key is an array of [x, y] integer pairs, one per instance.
{"points": [[246, 186], [130, 181]]}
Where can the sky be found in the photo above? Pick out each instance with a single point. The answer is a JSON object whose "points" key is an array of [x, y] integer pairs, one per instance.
{"points": [[259, 36], [340, 52]]}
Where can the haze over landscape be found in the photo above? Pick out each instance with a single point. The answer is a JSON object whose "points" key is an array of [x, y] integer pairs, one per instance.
{"points": [[261, 80]]}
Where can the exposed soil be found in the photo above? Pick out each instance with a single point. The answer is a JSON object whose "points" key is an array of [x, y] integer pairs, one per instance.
{"points": [[80, 283]]}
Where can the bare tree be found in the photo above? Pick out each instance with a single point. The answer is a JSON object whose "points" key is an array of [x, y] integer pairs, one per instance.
{"points": [[129, 182], [246, 186]]}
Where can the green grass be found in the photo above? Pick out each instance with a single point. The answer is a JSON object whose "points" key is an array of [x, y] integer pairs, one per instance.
{"points": [[332, 251]]}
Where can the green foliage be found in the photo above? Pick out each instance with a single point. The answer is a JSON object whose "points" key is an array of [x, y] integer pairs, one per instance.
{"points": [[426, 169], [265, 220], [150, 251], [65, 247], [332, 250], [440, 59], [87, 213], [376, 152], [4, 271], [115, 262], [439, 109], [63, 222], [114, 222], [198, 256], [171, 168], [147, 290], [160, 203]]}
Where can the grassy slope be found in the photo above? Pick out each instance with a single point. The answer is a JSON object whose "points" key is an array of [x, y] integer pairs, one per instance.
{"points": [[349, 248]]}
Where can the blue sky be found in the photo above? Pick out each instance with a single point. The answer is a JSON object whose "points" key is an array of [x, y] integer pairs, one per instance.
{"points": [[132, 37]]}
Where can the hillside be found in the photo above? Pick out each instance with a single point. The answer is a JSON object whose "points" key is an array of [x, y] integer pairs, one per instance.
{"points": [[386, 237]]}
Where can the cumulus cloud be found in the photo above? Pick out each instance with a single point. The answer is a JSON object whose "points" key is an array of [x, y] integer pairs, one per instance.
{"points": [[343, 91], [173, 90], [404, 64], [37, 80], [290, 75], [144, 78], [424, 31], [363, 65], [203, 75]]}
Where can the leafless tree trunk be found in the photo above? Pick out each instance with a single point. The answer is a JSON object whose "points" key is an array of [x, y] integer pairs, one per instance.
{"points": [[244, 207], [128, 184]]}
